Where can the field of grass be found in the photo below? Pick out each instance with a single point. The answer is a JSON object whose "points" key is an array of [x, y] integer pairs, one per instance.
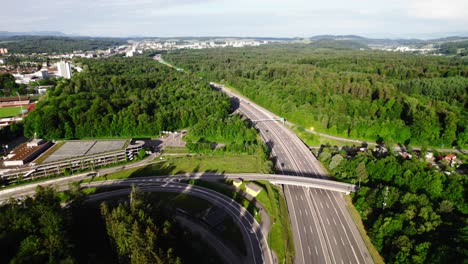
{"points": [[221, 164], [178, 165], [10, 111]]}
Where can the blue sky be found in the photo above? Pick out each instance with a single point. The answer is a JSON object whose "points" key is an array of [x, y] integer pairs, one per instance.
{"points": [[265, 18]]}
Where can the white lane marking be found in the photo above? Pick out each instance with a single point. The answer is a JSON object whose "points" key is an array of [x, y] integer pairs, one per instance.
{"points": [[328, 221], [335, 241], [316, 251], [310, 253], [342, 242], [342, 262], [300, 212], [321, 205], [295, 197], [304, 229], [327, 205], [344, 229], [310, 227], [334, 221], [306, 212], [302, 199]]}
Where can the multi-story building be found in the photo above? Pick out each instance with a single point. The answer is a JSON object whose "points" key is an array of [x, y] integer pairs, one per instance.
{"points": [[64, 69]]}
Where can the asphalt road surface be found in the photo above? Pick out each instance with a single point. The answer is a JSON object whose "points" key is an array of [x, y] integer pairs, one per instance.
{"points": [[322, 227], [257, 247]]}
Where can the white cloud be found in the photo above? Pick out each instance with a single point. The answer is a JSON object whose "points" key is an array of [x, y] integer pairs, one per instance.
{"points": [[236, 17], [439, 9]]}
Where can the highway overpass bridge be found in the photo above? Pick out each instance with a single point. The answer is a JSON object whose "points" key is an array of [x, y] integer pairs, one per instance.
{"points": [[278, 179], [324, 184]]}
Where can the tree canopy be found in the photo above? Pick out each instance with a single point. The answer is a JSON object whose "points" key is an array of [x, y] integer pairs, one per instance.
{"points": [[413, 213], [121, 97], [49, 44], [357, 94]]}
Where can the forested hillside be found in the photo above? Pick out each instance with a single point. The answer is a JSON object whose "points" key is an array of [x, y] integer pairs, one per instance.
{"points": [[402, 98], [413, 213], [121, 97], [42, 44]]}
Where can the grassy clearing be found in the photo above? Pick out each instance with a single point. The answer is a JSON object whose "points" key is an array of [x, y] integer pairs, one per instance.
{"points": [[222, 164], [357, 220], [10, 111], [178, 165], [280, 237]]}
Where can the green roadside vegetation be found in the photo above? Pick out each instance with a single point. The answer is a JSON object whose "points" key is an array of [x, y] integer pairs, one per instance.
{"points": [[347, 93], [280, 237], [413, 211], [10, 111], [362, 230], [272, 199], [143, 229]]}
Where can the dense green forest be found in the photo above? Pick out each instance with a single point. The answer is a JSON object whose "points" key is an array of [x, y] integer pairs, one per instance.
{"points": [[416, 99], [144, 230], [459, 48], [123, 97], [40, 44], [142, 233], [413, 213], [35, 230]]}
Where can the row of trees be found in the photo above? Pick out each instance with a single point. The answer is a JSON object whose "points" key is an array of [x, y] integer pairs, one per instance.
{"points": [[413, 213], [358, 94]]}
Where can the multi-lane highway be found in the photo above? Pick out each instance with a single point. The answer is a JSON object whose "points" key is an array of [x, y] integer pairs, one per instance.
{"points": [[322, 227]]}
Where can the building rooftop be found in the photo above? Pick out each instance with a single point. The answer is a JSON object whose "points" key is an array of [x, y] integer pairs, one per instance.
{"points": [[254, 187], [23, 151]]}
